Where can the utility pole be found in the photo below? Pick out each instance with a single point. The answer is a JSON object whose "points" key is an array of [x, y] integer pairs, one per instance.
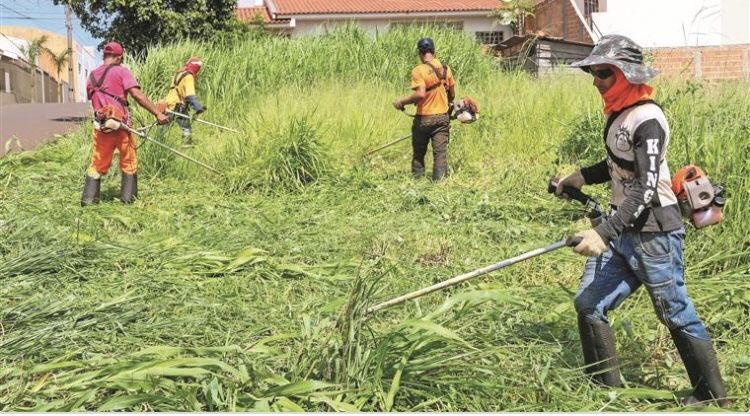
{"points": [[69, 27]]}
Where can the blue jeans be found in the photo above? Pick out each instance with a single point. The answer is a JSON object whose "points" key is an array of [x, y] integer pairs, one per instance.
{"points": [[653, 259]]}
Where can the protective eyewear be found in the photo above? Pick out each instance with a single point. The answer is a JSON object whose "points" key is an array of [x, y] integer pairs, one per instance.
{"points": [[602, 73]]}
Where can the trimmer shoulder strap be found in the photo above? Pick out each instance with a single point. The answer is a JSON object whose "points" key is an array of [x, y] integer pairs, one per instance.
{"points": [[441, 75], [97, 84], [176, 80]]}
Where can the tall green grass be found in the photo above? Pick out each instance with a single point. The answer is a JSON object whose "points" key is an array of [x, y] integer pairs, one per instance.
{"points": [[245, 291]]}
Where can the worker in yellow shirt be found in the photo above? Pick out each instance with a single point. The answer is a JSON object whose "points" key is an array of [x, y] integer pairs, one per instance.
{"points": [[182, 94], [434, 91]]}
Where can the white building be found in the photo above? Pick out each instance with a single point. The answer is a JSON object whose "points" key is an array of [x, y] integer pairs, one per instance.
{"points": [[676, 23], [310, 17]]}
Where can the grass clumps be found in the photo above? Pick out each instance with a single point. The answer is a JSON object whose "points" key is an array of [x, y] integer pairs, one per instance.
{"points": [[295, 156]]}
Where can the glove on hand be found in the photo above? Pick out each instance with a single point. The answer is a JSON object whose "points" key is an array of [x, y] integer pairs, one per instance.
{"points": [[575, 180], [592, 244]]}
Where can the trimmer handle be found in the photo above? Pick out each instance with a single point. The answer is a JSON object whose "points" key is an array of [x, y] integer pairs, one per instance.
{"points": [[569, 191], [573, 241]]}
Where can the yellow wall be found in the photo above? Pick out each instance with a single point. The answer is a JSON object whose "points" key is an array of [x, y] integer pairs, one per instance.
{"points": [[56, 43]]}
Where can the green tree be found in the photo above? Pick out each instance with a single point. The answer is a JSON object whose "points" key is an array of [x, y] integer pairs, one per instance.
{"points": [[60, 60], [514, 13], [32, 52], [137, 24]]}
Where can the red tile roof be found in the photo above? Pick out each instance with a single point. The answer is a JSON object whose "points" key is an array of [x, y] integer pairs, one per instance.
{"points": [[247, 15], [297, 7]]}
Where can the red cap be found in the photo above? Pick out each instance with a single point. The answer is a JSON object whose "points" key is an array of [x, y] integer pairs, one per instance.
{"points": [[113, 48]]}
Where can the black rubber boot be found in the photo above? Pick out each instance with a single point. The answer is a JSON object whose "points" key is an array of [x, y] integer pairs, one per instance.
{"points": [[91, 189], [439, 172], [703, 369], [129, 188], [417, 168], [599, 353]]}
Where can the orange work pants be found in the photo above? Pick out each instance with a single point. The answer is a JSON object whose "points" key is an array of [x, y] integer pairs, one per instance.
{"points": [[104, 148]]}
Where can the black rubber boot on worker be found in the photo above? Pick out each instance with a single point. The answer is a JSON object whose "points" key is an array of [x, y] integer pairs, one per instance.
{"points": [[91, 189], [439, 172], [129, 188], [699, 358], [599, 353]]}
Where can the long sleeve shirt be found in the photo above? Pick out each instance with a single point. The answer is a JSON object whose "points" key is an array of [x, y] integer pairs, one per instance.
{"points": [[637, 139]]}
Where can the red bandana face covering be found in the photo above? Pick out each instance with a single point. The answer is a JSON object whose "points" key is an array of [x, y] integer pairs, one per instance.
{"points": [[623, 94]]}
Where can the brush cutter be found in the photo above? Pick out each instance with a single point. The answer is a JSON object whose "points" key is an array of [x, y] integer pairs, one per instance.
{"points": [[465, 111], [596, 212], [572, 193], [386, 145], [139, 133], [569, 242], [174, 113]]}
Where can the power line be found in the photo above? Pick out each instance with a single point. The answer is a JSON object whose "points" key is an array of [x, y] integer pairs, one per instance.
{"points": [[49, 23], [14, 11]]}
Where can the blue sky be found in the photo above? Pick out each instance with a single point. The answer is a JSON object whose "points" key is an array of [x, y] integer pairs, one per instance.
{"points": [[42, 14]]}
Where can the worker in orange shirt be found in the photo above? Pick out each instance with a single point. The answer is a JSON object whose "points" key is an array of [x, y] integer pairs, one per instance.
{"points": [[434, 90], [108, 87]]}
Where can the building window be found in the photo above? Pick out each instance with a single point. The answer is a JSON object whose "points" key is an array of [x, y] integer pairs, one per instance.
{"points": [[489, 38], [589, 7], [455, 25]]}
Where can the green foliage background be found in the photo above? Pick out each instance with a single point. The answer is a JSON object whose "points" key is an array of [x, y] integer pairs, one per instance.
{"points": [[139, 24]]}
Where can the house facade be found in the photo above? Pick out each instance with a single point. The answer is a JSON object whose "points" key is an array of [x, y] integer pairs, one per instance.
{"points": [[16, 71], [310, 17]]}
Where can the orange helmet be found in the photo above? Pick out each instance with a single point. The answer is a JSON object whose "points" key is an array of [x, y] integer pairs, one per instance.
{"points": [[687, 174]]}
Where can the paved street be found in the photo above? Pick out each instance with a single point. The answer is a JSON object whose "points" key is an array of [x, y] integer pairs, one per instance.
{"points": [[36, 124]]}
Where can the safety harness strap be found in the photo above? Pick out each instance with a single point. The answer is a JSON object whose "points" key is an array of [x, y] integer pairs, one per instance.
{"points": [[97, 84], [441, 76]]}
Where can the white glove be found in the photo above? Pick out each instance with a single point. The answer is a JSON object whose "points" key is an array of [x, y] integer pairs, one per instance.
{"points": [[592, 244]]}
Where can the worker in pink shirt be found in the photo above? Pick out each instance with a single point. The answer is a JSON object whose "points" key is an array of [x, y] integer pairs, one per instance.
{"points": [[107, 88]]}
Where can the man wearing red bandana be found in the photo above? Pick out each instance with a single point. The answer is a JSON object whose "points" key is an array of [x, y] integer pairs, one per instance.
{"points": [[182, 94], [641, 243]]}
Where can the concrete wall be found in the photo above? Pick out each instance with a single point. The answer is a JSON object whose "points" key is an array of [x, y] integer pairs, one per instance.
{"points": [[735, 21], [16, 84], [677, 23]]}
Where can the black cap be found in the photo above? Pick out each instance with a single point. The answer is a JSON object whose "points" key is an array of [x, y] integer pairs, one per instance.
{"points": [[426, 45]]}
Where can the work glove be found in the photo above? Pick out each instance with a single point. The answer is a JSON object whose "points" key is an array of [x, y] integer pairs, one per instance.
{"points": [[575, 180], [200, 110], [591, 245], [397, 104]]}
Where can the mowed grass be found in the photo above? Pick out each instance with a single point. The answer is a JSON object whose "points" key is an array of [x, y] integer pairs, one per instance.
{"points": [[246, 291]]}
